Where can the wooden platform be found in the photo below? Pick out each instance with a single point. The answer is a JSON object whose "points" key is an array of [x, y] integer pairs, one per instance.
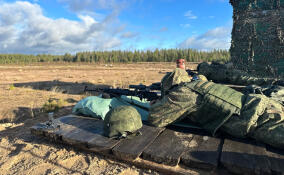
{"points": [[166, 150]]}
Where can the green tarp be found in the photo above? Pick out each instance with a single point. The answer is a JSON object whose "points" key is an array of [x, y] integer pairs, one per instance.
{"points": [[97, 107]]}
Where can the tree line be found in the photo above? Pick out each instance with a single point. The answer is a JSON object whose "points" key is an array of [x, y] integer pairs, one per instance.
{"points": [[115, 56]]}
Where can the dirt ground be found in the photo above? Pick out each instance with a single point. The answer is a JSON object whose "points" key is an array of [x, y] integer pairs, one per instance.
{"points": [[24, 89]]}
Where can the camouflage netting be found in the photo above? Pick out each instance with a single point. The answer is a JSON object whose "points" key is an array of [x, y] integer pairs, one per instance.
{"points": [[258, 36]]}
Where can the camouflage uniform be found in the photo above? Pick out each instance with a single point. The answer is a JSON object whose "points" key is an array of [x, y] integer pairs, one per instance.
{"points": [[173, 78], [217, 107], [261, 118]]}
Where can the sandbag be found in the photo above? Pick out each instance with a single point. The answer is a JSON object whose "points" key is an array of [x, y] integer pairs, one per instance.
{"points": [[92, 106], [97, 107], [224, 74]]}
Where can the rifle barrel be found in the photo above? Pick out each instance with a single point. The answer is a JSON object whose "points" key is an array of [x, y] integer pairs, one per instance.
{"points": [[154, 86], [140, 87], [142, 94]]}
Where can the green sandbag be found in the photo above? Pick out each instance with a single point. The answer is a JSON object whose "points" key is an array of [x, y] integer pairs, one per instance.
{"points": [[136, 101], [97, 107]]}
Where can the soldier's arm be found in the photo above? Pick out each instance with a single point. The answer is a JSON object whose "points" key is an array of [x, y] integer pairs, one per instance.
{"points": [[174, 106]]}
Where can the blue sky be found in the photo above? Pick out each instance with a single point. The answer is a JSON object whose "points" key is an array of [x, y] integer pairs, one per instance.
{"points": [[60, 26]]}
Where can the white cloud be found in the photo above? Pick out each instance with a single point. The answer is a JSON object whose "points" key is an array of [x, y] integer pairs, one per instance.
{"points": [[88, 21], [217, 38], [24, 29], [190, 15]]}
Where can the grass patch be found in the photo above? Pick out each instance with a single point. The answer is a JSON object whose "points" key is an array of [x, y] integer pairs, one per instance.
{"points": [[11, 87], [53, 105]]}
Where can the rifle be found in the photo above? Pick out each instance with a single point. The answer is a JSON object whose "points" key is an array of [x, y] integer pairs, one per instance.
{"points": [[142, 94], [154, 86], [279, 83], [191, 72]]}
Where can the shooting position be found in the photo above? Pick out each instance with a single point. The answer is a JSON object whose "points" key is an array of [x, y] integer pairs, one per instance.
{"points": [[216, 107], [213, 107]]}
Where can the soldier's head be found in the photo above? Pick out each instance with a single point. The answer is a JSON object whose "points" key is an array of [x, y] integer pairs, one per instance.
{"points": [[181, 63]]}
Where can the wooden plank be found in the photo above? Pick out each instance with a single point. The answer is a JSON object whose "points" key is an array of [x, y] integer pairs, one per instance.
{"points": [[99, 142], [168, 147], [70, 119], [204, 153], [170, 170], [38, 129], [80, 131], [244, 158], [130, 149], [84, 133], [43, 129], [67, 124], [276, 159]]}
